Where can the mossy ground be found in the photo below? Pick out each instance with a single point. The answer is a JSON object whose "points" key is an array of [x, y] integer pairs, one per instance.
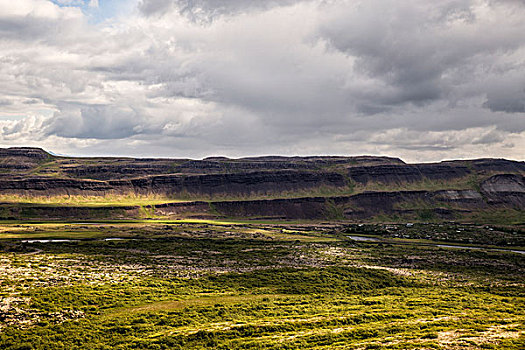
{"points": [[219, 285]]}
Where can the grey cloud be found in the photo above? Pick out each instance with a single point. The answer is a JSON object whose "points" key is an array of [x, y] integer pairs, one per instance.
{"points": [[450, 140], [391, 48], [25, 28], [150, 7], [40, 21], [492, 137], [417, 51], [504, 103], [208, 9], [97, 122], [31, 101], [507, 96], [5, 102]]}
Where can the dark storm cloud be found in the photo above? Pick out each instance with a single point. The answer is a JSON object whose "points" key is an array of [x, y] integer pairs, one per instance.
{"points": [[501, 102], [507, 96], [417, 52]]}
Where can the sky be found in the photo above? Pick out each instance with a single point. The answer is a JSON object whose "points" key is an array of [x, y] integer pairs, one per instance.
{"points": [[420, 80]]}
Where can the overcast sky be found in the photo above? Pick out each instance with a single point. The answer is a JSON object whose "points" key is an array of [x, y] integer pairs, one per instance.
{"points": [[420, 80]]}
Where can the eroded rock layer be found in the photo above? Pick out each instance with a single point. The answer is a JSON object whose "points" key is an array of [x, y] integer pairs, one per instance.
{"points": [[266, 187]]}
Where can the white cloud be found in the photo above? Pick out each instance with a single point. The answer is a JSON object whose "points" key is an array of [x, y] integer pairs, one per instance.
{"points": [[191, 78]]}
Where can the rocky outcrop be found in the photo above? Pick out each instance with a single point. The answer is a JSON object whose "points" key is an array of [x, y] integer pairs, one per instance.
{"points": [[243, 184], [297, 208], [16, 159], [40, 212], [458, 196], [393, 173], [185, 209], [124, 168], [504, 183], [499, 165], [119, 171], [505, 189], [24, 152], [234, 184], [51, 186]]}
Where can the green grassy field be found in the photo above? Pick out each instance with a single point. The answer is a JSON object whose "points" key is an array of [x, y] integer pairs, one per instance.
{"points": [[198, 284], [89, 201]]}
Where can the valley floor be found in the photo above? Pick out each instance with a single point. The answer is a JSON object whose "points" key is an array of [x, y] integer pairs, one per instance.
{"points": [[220, 285]]}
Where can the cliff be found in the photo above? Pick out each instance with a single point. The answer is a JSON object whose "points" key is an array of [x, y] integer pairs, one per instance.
{"points": [[277, 187]]}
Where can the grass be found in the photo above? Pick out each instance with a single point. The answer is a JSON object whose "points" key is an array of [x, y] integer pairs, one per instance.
{"points": [[201, 302], [54, 235], [221, 285], [469, 182], [507, 216], [133, 199], [148, 230], [88, 201]]}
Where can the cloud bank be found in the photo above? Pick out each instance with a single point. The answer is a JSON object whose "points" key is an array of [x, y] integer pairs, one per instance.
{"points": [[420, 80]]}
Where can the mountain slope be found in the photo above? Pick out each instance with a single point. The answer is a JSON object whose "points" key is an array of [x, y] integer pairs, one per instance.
{"points": [[263, 187]]}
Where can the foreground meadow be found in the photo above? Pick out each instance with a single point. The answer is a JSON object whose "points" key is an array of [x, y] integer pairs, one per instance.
{"points": [[202, 285]]}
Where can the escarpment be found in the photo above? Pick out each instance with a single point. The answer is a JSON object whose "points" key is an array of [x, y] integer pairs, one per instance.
{"points": [[396, 173], [272, 186], [236, 184]]}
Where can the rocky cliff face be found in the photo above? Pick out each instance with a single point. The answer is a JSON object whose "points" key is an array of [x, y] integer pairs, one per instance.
{"points": [[50, 187], [505, 189], [24, 152], [241, 184], [108, 169], [252, 183], [444, 188], [500, 165], [16, 159], [504, 183], [393, 173], [360, 206]]}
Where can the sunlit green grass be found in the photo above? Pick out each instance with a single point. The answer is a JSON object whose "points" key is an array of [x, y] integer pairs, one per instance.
{"points": [[202, 285], [391, 318], [88, 201], [111, 230]]}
